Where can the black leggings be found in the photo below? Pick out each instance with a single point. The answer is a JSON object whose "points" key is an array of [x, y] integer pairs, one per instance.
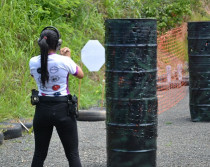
{"points": [[48, 115]]}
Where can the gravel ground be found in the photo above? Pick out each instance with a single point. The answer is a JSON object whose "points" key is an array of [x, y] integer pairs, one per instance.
{"points": [[181, 143]]}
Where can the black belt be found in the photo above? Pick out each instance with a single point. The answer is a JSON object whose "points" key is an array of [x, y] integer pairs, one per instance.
{"points": [[53, 99]]}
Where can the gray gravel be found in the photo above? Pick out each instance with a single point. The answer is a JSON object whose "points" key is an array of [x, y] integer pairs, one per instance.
{"points": [[181, 143]]}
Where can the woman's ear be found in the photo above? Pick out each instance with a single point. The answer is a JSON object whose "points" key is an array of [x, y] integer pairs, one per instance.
{"points": [[59, 44]]}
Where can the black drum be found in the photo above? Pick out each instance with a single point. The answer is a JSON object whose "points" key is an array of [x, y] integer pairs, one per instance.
{"points": [[199, 70], [131, 95]]}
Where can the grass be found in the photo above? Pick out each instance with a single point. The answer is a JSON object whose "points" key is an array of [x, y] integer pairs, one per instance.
{"points": [[200, 17], [168, 123], [19, 44], [4, 126], [169, 144]]}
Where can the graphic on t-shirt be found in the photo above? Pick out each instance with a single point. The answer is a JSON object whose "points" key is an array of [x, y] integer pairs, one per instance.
{"points": [[43, 94], [57, 94], [39, 70], [56, 87], [59, 68], [54, 69], [54, 78], [42, 87], [39, 79]]}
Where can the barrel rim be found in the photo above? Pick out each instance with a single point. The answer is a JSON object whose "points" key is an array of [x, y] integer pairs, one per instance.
{"points": [[134, 151], [131, 72], [151, 19], [201, 89], [199, 38], [199, 105], [198, 22], [133, 125], [132, 99]]}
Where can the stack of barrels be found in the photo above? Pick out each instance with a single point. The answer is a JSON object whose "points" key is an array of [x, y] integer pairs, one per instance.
{"points": [[199, 70], [131, 95]]}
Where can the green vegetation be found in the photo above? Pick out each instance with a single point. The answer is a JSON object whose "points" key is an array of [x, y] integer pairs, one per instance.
{"points": [[21, 22]]}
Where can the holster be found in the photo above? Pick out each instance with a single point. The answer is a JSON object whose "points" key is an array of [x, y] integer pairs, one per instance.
{"points": [[73, 105], [72, 101], [34, 97]]}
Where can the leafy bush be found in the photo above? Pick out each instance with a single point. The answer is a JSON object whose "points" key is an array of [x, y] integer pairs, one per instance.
{"points": [[169, 13]]}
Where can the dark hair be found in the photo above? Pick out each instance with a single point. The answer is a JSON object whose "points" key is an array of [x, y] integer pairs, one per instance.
{"points": [[48, 40]]}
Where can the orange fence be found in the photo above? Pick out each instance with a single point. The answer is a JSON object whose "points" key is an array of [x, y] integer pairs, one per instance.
{"points": [[172, 75]]}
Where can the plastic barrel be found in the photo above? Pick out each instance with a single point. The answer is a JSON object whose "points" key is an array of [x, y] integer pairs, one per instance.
{"points": [[199, 70], [131, 95]]}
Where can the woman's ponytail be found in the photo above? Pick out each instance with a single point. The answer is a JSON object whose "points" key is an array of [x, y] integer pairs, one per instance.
{"points": [[44, 48]]}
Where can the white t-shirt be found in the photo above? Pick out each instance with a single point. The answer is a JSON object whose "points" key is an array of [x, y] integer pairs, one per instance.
{"points": [[59, 68]]}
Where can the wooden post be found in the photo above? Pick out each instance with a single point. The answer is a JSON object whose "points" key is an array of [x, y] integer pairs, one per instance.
{"points": [[80, 82], [102, 98]]}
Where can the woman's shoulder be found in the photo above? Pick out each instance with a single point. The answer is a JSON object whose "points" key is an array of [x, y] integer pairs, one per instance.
{"points": [[35, 59], [61, 58]]}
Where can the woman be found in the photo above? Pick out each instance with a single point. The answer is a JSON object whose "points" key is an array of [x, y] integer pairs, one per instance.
{"points": [[51, 72]]}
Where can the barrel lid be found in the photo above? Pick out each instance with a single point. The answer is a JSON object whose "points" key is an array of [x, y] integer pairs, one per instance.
{"points": [[199, 22], [152, 19]]}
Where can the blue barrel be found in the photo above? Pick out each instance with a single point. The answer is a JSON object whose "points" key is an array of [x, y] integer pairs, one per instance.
{"points": [[131, 95], [199, 70]]}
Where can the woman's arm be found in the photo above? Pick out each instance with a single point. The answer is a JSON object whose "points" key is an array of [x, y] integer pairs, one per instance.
{"points": [[67, 52], [80, 73]]}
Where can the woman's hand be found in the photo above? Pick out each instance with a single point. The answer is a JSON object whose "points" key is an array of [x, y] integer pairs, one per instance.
{"points": [[65, 52]]}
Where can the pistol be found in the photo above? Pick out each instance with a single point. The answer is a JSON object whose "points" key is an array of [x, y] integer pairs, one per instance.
{"points": [[34, 97], [72, 102]]}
